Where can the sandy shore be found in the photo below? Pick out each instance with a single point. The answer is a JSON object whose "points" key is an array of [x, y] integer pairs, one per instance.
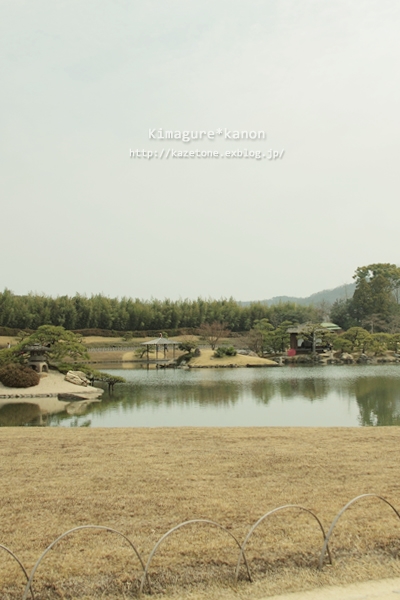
{"points": [[52, 384]]}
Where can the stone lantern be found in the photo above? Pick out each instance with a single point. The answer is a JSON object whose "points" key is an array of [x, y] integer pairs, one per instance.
{"points": [[38, 358]]}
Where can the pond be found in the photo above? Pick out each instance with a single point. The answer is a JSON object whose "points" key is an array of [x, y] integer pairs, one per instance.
{"points": [[339, 396]]}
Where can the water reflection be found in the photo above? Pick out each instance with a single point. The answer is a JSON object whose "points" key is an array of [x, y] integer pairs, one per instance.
{"points": [[312, 389], [378, 400], [307, 396], [40, 411], [12, 415]]}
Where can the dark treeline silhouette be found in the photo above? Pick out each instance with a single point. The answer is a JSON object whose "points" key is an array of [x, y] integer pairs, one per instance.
{"points": [[127, 314]]}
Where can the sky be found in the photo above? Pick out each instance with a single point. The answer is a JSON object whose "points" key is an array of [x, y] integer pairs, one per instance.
{"points": [[84, 86]]}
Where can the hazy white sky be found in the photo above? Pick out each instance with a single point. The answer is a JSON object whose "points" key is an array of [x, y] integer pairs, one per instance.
{"points": [[83, 81]]}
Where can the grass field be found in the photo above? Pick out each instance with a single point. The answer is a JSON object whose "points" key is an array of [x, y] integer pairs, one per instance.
{"points": [[144, 482]]}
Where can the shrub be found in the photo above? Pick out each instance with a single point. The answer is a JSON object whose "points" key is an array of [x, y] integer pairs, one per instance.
{"points": [[188, 346], [18, 376], [225, 351], [128, 336], [7, 356], [230, 351]]}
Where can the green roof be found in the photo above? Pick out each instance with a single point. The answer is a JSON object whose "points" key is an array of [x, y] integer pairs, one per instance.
{"points": [[330, 326]]}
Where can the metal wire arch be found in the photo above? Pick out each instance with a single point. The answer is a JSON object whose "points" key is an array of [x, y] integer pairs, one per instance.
{"points": [[336, 519], [98, 527], [145, 574], [20, 564], [268, 514]]}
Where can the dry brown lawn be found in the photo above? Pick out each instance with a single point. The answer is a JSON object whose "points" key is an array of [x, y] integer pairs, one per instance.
{"points": [[6, 339], [88, 340], [143, 482], [112, 356]]}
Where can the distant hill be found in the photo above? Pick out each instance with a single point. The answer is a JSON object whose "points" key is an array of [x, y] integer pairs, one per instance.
{"points": [[342, 292]]}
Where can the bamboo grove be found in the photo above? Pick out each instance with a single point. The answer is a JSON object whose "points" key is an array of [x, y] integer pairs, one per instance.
{"points": [[99, 312]]}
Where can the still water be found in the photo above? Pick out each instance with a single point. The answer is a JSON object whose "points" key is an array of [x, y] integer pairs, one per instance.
{"points": [[289, 396]]}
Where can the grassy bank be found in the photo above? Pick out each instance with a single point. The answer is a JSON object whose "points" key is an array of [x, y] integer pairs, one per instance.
{"points": [[142, 482]]}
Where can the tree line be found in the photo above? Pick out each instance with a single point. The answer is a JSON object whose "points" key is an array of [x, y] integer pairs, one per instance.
{"points": [[374, 306], [98, 312]]}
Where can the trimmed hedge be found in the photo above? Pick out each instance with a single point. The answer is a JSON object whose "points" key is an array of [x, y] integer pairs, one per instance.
{"points": [[132, 334], [18, 376], [11, 331]]}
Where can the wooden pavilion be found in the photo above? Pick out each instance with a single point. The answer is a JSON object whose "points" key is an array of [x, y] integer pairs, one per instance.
{"points": [[161, 343]]}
